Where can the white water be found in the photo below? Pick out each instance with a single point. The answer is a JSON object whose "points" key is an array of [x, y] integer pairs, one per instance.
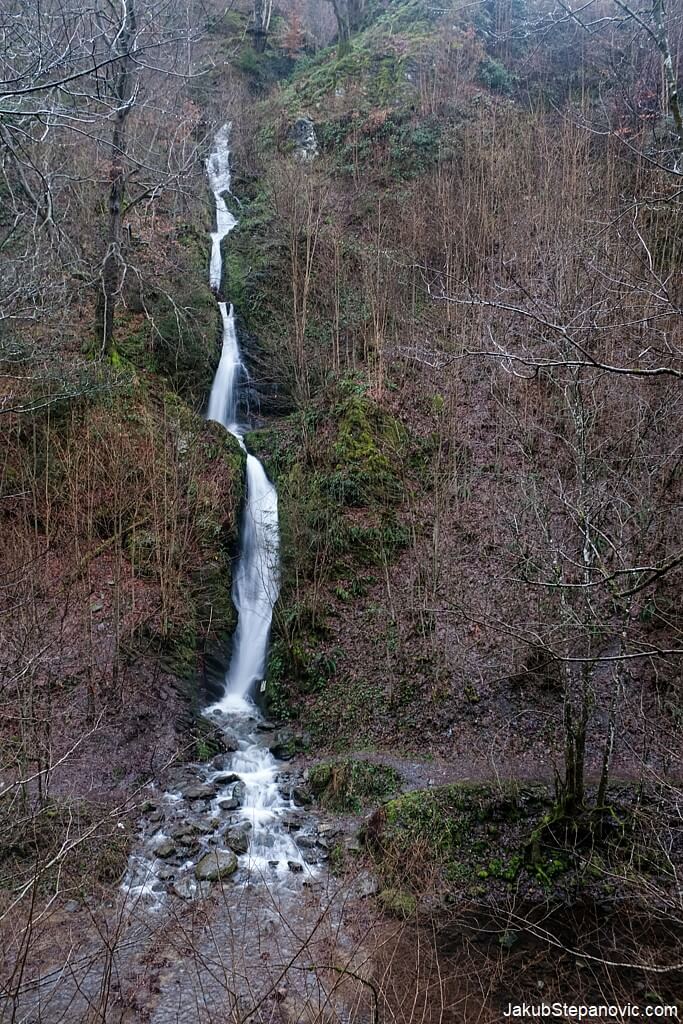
{"points": [[256, 581], [255, 590], [223, 398], [218, 171]]}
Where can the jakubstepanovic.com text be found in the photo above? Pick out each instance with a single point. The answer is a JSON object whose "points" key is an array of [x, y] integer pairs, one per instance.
{"points": [[577, 1012]]}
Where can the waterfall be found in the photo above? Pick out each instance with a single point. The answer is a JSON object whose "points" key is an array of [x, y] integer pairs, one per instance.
{"points": [[255, 585], [254, 807]]}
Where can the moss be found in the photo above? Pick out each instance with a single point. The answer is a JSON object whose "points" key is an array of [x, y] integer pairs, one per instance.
{"points": [[451, 830], [398, 903], [350, 785]]}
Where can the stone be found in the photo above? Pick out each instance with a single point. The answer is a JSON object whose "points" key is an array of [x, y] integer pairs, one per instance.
{"points": [[306, 842], [295, 867], [239, 791], [365, 885], [292, 822], [189, 889], [230, 804], [199, 791], [282, 745], [237, 839], [71, 906], [304, 138], [224, 779], [187, 830], [301, 796], [216, 865], [266, 726], [146, 806], [166, 873], [164, 849]]}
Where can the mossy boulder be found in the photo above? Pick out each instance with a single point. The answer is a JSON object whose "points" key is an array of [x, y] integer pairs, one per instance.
{"points": [[216, 865]]}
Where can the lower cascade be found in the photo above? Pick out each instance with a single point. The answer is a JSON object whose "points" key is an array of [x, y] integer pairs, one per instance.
{"points": [[235, 815]]}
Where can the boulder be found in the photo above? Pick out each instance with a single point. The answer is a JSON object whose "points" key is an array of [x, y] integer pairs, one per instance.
{"points": [[295, 867], [224, 779], [189, 889], [164, 849], [231, 803], [216, 865], [302, 796], [237, 839], [199, 791]]}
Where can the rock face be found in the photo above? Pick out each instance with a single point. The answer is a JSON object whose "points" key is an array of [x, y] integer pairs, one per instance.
{"points": [[304, 138], [216, 865]]}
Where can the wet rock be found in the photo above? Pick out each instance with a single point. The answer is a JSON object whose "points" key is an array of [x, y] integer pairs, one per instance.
{"points": [[283, 745], [199, 791], [237, 839], [292, 822], [312, 856], [229, 804], [166, 873], [187, 830], [156, 816], [266, 726], [295, 867], [198, 806], [164, 849], [216, 865], [190, 889], [306, 842], [239, 791], [302, 796], [224, 779], [147, 806]]}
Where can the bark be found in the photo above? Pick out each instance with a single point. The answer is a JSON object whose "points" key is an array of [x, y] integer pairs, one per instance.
{"points": [[112, 266], [669, 75], [263, 10]]}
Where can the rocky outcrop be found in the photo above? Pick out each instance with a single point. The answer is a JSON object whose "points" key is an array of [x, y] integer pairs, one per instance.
{"points": [[304, 138]]}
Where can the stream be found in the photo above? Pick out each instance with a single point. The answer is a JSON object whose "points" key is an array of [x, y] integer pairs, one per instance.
{"points": [[237, 815]]}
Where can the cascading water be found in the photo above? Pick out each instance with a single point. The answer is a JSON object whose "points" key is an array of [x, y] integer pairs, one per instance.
{"points": [[256, 581], [210, 810]]}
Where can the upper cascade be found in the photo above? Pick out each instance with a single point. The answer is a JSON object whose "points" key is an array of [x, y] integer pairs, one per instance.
{"points": [[218, 171]]}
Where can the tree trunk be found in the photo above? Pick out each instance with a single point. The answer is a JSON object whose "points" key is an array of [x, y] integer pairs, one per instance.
{"points": [[112, 266], [263, 10], [341, 13]]}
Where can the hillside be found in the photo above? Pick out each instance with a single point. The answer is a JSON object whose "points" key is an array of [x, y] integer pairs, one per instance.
{"points": [[439, 281]]}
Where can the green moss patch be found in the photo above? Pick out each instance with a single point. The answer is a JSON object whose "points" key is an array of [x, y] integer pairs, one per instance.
{"points": [[350, 785]]}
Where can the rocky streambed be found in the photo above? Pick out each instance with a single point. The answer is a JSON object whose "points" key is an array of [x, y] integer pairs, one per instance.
{"points": [[243, 816]]}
